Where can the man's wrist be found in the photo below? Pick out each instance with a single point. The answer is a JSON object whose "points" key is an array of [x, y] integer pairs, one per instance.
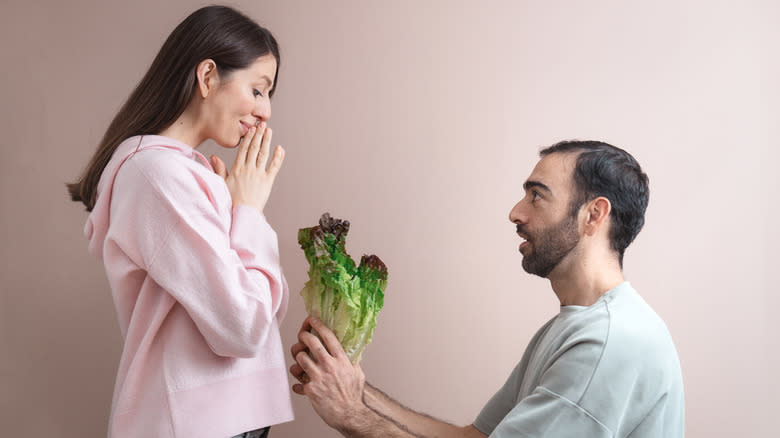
{"points": [[370, 397], [359, 422]]}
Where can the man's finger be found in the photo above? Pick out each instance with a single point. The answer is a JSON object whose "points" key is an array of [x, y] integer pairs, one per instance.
{"points": [[315, 347], [306, 325], [328, 337], [307, 364], [297, 348], [297, 371], [300, 375]]}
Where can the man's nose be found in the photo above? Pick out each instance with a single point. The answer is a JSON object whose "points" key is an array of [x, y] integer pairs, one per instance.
{"points": [[517, 215]]}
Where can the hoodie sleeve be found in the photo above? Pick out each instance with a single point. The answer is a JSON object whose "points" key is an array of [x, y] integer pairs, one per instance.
{"points": [[222, 266]]}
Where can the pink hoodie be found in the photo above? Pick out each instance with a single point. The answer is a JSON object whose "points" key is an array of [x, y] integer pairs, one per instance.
{"points": [[199, 293]]}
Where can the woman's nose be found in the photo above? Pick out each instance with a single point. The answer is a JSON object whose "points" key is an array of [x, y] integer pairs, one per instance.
{"points": [[263, 110]]}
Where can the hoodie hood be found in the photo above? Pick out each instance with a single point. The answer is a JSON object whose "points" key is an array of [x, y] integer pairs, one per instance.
{"points": [[99, 218]]}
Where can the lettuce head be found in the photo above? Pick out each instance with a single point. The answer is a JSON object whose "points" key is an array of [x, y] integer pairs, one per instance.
{"points": [[345, 296]]}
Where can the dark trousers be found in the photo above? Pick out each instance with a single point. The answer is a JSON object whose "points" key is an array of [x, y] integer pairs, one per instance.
{"points": [[259, 433]]}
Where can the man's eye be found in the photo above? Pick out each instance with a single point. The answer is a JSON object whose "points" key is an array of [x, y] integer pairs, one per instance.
{"points": [[535, 196]]}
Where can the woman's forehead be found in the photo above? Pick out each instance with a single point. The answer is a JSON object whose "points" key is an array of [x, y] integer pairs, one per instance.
{"points": [[262, 70]]}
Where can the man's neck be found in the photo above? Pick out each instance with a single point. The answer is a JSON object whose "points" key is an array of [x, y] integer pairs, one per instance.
{"points": [[582, 284]]}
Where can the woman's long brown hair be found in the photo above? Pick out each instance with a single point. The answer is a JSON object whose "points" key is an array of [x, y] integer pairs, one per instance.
{"points": [[224, 35]]}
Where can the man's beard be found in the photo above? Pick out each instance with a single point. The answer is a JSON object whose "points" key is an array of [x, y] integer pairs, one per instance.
{"points": [[549, 246]]}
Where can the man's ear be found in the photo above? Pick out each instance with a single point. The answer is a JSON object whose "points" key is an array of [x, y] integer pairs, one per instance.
{"points": [[597, 211], [207, 76]]}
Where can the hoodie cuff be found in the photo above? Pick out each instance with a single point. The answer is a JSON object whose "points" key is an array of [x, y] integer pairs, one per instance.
{"points": [[250, 229]]}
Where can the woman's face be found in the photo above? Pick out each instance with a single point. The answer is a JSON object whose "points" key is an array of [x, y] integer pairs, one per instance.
{"points": [[240, 100]]}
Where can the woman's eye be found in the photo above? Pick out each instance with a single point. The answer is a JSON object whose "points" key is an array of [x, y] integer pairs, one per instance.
{"points": [[256, 92]]}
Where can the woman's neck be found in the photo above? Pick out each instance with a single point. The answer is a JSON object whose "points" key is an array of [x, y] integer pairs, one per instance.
{"points": [[184, 129]]}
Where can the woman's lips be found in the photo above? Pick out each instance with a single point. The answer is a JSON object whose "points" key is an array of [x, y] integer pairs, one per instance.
{"points": [[244, 128]]}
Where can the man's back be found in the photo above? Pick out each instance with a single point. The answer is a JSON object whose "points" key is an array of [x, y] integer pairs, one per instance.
{"points": [[609, 369]]}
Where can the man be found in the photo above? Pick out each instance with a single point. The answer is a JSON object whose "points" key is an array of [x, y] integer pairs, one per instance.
{"points": [[605, 366]]}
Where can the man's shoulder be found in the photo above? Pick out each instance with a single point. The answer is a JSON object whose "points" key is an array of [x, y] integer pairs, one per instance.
{"points": [[638, 336], [640, 363], [632, 318]]}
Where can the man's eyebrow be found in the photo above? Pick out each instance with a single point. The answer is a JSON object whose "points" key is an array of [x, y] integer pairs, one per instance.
{"points": [[531, 183]]}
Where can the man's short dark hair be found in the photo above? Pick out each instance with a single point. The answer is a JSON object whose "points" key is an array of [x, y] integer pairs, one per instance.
{"points": [[608, 171]]}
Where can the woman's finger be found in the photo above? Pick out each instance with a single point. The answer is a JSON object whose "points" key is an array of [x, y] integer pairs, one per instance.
{"points": [[219, 166], [254, 146], [276, 163], [243, 147], [265, 145]]}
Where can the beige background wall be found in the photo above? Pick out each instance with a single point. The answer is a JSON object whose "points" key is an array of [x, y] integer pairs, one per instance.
{"points": [[418, 121]]}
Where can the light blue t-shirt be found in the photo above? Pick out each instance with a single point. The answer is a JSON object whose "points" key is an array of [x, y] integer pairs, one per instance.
{"points": [[605, 370]]}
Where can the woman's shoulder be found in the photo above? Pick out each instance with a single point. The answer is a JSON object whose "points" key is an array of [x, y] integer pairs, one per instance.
{"points": [[159, 166], [172, 173]]}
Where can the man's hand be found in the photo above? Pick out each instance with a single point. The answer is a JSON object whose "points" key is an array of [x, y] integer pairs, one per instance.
{"points": [[337, 391], [333, 385]]}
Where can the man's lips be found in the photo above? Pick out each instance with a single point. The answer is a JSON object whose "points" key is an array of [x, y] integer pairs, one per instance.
{"points": [[523, 244], [525, 241]]}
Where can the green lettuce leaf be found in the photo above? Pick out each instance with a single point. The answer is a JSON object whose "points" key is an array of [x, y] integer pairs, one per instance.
{"points": [[346, 297]]}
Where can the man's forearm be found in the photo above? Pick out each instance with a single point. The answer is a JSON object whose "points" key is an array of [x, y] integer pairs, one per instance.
{"points": [[407, 420], [370, 424], [339, 394]]}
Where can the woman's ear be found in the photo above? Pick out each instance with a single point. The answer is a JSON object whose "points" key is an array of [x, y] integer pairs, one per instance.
{"points": [[207, 77], [597, 211]]}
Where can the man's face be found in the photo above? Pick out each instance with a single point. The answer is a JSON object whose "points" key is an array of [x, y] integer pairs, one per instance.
{"points": [[543, 216]]}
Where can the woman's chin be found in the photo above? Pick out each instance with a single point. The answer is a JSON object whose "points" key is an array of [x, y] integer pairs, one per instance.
{"points": [[229, 144]]}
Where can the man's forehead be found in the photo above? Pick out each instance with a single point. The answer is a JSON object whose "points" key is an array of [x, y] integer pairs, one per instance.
{"points": [[555, 171]]}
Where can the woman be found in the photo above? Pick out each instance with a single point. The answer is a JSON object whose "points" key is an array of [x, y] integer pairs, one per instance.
{"points": [[192, 263]]}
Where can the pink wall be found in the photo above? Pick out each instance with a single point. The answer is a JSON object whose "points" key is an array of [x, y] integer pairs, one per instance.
{"points": [[418, 121]]}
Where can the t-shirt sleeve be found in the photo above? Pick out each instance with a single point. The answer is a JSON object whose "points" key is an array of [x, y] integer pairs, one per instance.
{"points": [[546, 414], [500, 404], [550, 408], [223, 268], [543, 413]]}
